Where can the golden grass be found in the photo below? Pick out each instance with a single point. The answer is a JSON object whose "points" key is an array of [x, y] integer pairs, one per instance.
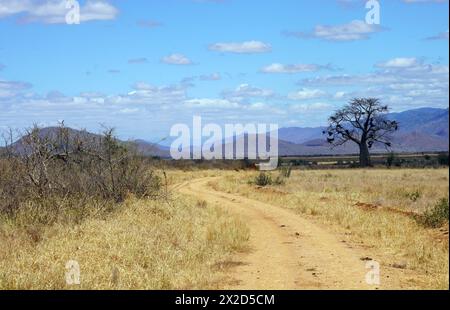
{"points": [[142, 245], [329, 196]]}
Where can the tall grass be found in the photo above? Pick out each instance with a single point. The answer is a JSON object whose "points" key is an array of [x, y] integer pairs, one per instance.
{"points": [[333, 198], [143, 245]]}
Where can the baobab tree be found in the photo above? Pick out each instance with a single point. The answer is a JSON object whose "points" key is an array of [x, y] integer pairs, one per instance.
{"points": [[362, 121]]}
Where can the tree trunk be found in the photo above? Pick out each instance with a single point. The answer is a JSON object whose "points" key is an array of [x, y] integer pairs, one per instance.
{"points": [[364, 156]]}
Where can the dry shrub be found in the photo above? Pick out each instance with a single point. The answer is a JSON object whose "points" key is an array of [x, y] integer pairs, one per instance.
{"points": [[61, 174]]}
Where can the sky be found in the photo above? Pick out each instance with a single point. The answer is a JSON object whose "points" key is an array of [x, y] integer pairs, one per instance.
{"points": [[142, 66]]}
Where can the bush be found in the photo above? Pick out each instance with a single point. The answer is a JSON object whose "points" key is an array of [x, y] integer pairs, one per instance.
{"points": [[59, 172], [391, 159], [414, 195], [263, 179], [443, 159], [436, 216]]}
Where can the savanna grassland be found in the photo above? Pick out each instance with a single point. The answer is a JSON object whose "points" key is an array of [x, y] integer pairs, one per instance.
{"points": [[68, 197], [132, 222], [386, 211], [142, 245]]}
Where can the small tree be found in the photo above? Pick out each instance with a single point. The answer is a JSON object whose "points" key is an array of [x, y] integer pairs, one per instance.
{"points": [[363, 122]]}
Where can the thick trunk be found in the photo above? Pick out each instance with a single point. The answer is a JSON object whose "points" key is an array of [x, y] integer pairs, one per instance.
{"points": [[364, 156]]}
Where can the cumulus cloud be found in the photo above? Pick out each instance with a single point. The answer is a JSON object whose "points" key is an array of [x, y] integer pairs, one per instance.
{"points": [[293, 68], [21, 107], [210, 103], [145, 93], [353, 31], [340, 95], [314, 107], [248, 47], [176, 59], [246, 91], [54, 11], [306, 94], [399, 63], [402, 82], [12, 88]]}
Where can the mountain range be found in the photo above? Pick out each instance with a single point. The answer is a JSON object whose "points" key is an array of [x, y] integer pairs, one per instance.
{"points": [[420, 130]]}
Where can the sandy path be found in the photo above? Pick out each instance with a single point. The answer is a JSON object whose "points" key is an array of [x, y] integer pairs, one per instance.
{"points": [[287, 251]]}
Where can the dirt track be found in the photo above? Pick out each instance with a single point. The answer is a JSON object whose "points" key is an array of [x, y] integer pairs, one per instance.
{"points": [[287, 251]]}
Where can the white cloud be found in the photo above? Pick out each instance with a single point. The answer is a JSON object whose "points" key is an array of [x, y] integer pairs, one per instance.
{"points": [[318, 106], [306, 94], [129, 110], [399, 63], [12, 7], [54, 11], [246, 91], [149, 94], [291, 68], [248, 47], [210, 103], [403, 82], [12, 88], [355, 30], [340, 95], [176, 59]]}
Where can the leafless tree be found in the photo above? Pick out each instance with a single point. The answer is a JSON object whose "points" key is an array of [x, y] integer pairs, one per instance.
{"points": [[362, 121]]}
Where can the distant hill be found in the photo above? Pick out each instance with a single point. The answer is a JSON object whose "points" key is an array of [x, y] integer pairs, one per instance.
{"points": [[143, 147], [428, 121], [151, 149], [299, 135], [421, 130]]}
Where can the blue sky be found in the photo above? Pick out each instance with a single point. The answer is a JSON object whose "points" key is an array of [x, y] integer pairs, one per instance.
{"points": [[143, 66]]}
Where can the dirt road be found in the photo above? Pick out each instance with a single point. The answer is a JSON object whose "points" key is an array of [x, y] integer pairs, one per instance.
{"points": [[287, 251]]}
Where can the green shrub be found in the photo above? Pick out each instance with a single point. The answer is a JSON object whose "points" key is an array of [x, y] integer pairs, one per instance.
{"points": [[436, 216], [443, 159], [263, 179], [391, 159], [414, 195]]}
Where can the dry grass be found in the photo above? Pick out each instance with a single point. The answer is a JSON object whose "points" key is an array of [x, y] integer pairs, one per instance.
{"points": [[332, 198], [142, 245]]}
